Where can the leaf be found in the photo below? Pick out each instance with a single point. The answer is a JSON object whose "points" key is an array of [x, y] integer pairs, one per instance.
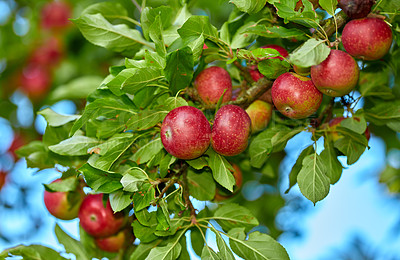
{"points": [[145, 120], [155, 34], [298, 165], [350, 147], [74, 146], [149, 15], [311, 53], [198, 163], [258, 54], [133, 179], [329, 6], [170, 251], [224, 251], [174, 102], [196, 26], [119, 200], [277, 32], [306, 16], [54, 119], [356, 124], [231, 215], [179, 69], [118, 38], [201, 186], [313, 182], [101, 181], [330, 160], [71, 245], [142, 250], [144, 233], [32, 252], [383, 112], [141, 78], [221, 170], [257, 246], [209, 254], [107, 9], [143, 197], [147, 151], [162, 216], [165, 163], [116, 83], [75, 89], [273, 68], [249, 6], [65, 185], [197, 239]]}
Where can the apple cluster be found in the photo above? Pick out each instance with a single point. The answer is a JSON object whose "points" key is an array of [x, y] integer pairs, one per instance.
{"points": [[108, 229]]}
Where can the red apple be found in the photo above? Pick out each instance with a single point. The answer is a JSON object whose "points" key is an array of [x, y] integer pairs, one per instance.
{"points": [[260, 113], [3, 178], [211, 84], [337, 75], [367, 38], [59, 206], [17, 142], [355, 9], [334, 135], [48, 54], [55, 15], [237, 174], [231, 130], [35, 81], [97, 219], [186, 132], [295, 96], [115, 243], [255, 73]]}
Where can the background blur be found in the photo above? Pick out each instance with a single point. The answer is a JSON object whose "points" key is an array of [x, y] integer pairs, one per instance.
{"points": [[42, 66]]}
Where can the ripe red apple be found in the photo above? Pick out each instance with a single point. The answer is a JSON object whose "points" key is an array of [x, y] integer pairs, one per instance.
{"points": [[231, 130], [3, 177], [367, 38], [17, 142], [334, 135], [35, 81], [211, 84], [260, 113], [115, 243], [355, 9], [48, 54], [58, 205], [186, 132], [99, 220], [295, 96], [337, 75], [55, 15], [221, 195]]}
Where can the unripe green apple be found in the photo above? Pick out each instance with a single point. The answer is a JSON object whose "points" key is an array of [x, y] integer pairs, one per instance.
{"points": [[367, 38], [337, 75], [186, 132], [231, 130], [260, 113], [59, 206], [211, 84], [295, 96]]}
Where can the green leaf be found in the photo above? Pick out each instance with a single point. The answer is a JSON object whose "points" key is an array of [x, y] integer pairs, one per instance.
{"points": [[174, 102], [107, 9], [133, 179], [352, 147], [249, 6], [298, 165], [71, 245], [330, 160], [145, 119], [277, 32], [75, 89], [116, 83], [221, 169], [143, 197], [147, 151], [258, 246], [209, 254], [32, 252], [65, 185], [142, 77], [313, 181], [74, 146], [231, 215], [155, 33], [383, 112], [149, 15], [162, 216], [201, 186], [375, 84], [54, 119], [258, 54], [196, 26], [165, 163], [224, 251], [101, 181], [143, 249], [179, 69], [119, 200], [273, 68], [306, 16], [153, 59], [329, 6], [198, 163], [197, 239], [170, 251], [311, 53], [144, 233], [356, 124], [118, 38]]}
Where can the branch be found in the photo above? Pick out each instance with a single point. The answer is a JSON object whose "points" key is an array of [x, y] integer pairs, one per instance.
{"points": [[328, 25], [188, 203]]}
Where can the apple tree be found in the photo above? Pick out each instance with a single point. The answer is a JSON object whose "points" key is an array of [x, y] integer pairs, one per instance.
{"points": [[195, 105]]}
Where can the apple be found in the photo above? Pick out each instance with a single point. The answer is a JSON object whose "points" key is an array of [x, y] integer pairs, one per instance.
{"points": [[17, 142], [35, 81], [355, 9], [337, 75], [231, 130], [295, 96], [97, 219], [116, 242], [334, 135], [367, 38], [3, 178], [220, 195], [48, 54], [260, 113], [185, 132], [55, 15], [59, 206], [211, 84]]}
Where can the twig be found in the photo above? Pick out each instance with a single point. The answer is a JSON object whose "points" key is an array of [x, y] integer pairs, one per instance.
{"points": [[185, 185], [137, 5]]}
